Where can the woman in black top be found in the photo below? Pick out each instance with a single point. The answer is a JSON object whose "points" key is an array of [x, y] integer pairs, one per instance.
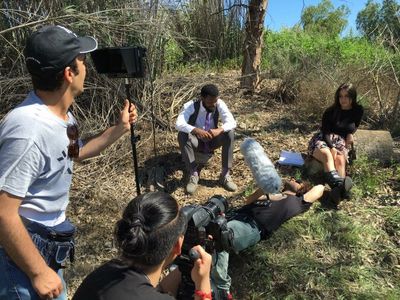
{"points": [[331, 145], [149, 237]]}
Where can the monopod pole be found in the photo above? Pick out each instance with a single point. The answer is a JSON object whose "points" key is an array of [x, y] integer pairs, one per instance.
{"points": [[134, 139]]}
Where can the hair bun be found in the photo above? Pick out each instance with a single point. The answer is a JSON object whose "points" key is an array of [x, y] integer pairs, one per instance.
{"points": [[137, 220]]}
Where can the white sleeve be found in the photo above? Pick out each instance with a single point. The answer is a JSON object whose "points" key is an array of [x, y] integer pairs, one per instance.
{"points": [[227, 119], [21, 164], [183, 118]]}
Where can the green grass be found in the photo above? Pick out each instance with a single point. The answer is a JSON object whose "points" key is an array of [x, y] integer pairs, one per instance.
{"points": [[367, 176]]}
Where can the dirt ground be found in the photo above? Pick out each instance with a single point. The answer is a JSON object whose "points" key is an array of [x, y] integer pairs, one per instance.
{"points": [[102, 187]]}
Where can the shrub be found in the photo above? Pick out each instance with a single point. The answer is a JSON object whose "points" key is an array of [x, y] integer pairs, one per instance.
{"points": [[312, 66]]}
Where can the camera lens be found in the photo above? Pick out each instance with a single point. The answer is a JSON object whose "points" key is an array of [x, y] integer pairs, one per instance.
{"points": [[217, 205]]}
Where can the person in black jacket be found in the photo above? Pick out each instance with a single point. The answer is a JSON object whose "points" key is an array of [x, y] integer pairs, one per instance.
{"points": [[149, 236], [331, 145]]}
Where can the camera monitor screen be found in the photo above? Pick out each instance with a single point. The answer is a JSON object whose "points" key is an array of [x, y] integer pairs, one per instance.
{"points": [[124, 62]]}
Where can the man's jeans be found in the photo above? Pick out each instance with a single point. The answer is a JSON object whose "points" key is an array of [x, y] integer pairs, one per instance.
{"points": [[245, 235], [14, 283]]}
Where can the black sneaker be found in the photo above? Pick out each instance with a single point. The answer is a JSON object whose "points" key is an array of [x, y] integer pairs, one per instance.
{"points": [[335, 195], [330, 199], [346, 187]]}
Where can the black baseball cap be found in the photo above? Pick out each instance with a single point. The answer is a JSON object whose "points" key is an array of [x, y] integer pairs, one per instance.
{"points": [[52, 48]]}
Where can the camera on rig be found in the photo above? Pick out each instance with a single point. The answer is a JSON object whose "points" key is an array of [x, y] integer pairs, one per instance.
{"points": [[124, 62], [120, 62], [207, 227]]}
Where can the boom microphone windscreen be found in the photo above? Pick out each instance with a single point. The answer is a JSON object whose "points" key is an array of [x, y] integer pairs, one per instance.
{"points": [[263, 170]]}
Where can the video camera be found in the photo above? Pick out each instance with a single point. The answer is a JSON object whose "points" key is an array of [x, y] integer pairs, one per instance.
{"points": [[206, 226]]}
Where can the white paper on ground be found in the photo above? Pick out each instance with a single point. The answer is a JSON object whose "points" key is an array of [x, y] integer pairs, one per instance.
{"points": [[289, 158]]}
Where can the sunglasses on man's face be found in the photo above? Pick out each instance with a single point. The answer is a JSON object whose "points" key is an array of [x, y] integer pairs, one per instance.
{"points": [[73, 135]]}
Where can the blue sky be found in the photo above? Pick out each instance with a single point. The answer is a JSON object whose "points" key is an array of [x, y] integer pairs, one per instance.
{"points": [[286, 13]]}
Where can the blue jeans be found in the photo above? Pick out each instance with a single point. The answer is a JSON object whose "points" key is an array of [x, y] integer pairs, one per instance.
{"points": [[14, 283], [245, 235]]}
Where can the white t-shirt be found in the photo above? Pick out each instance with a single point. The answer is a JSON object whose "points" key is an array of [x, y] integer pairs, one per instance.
{"points": [[34, 162]]}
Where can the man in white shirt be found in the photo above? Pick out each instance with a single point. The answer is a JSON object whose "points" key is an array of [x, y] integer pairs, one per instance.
{"points": [[199, 132]]}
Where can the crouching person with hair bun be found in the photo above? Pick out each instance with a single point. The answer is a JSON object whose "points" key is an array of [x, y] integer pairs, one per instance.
{"points": [[149, 237]]}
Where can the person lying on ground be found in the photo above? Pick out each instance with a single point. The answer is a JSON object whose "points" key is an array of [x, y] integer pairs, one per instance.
{"points": [[259, 218]]}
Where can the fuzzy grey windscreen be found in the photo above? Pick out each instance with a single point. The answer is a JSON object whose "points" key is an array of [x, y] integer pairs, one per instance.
{"points": [[263, 169]]}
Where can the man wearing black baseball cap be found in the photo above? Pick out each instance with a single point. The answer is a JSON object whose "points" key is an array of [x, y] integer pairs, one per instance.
{"points": [[52, 48], [39, 140]]}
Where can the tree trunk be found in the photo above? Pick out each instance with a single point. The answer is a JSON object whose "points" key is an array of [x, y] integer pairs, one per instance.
{"points": [[252, 44]]}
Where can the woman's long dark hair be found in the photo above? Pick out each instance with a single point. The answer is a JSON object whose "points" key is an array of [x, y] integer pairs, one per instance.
{"points": [[351, 91], [149, 228]]}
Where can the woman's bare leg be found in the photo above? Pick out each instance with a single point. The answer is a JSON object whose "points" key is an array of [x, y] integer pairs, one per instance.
{"points": [[340, 163], [324, 155]]}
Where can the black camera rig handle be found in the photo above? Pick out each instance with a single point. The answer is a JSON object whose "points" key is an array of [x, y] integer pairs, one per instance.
{"points": [[134, 140], [194, 254]]}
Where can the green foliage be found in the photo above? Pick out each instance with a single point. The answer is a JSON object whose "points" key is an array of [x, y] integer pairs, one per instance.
{"points": [[183, 67], [392, 220], [312, 65], [298, 174], [295, 49], [302, 49], [250, 189], [361, 52], [380, 21], [396, 171], [173, 54], [323, 18], [368, 19]]}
